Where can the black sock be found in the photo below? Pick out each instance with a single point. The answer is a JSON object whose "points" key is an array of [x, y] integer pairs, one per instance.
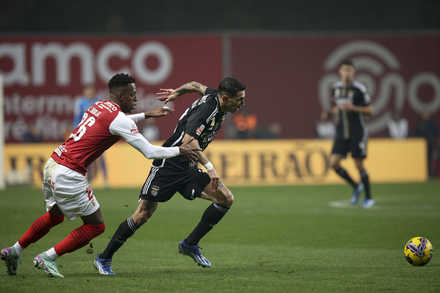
{"points": [[341, 172], [125, 231], [212, 215], [366, 182]]}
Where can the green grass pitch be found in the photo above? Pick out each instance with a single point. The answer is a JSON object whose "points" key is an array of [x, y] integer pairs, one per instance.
{"points": [[274, 239]]}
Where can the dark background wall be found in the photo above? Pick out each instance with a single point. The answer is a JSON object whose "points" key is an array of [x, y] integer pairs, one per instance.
{"points": [[171, 16]]}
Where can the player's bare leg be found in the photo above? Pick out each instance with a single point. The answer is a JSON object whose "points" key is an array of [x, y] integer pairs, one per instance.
{"points": [[144, 212], [222, 200], [334, 162]]}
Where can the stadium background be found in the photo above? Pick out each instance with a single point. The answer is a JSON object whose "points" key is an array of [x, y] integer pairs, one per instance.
{"points": [[286, 55]]}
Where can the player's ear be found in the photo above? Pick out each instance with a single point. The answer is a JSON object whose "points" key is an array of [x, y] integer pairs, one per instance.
{"points": [[224, 98]]}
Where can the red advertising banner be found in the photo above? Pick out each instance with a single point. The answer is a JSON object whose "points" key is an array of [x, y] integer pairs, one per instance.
{"points": [[288, 78], [43, 76]]}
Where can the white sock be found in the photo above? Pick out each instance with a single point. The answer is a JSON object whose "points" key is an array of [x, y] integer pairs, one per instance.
{"points": [[18, 248], [52, 254]]}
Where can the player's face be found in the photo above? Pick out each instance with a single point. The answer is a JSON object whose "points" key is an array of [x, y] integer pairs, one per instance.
{"points": [[235, 103], [346, 72], [128, 98]]}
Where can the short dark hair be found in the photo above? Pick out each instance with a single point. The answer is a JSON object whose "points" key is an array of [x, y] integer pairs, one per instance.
{"points": [[347, 62], [120, 79], [230, 86]]}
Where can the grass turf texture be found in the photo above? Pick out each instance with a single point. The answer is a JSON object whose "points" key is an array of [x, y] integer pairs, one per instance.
{"points": [[274, 239]]}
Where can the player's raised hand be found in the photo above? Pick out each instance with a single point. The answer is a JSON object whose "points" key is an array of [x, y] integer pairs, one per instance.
{"points": [[158, 112], [167, 95], [192, 153]]}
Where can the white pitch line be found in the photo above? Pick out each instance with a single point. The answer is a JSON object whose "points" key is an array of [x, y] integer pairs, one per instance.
{"points": [[341, 204]]}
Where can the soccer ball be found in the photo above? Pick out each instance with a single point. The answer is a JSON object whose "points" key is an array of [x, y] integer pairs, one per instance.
{"points": [[418, 251]]}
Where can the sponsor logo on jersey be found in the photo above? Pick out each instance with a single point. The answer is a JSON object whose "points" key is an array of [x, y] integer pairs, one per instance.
{"points": [[109, 106], [135, 131], [200, 129]]}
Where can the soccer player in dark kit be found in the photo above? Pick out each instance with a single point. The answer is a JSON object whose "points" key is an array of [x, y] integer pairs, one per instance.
{"points": [[200, 122], [351, 103]]}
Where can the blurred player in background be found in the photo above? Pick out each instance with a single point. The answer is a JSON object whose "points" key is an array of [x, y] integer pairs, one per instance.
{"points": [[82, 104], [426, 128], [351, 104], [88, 99], [198, 125], [66, 190], [397, 126]]}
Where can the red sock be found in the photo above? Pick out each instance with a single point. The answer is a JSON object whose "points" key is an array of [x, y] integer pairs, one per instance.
{"points": [[39, 228], [79, 238]]}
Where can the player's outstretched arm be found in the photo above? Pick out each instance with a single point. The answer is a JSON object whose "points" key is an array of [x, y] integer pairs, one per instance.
{"points": [[158, 112], [126, 128], [168, 95], [155, 113]]}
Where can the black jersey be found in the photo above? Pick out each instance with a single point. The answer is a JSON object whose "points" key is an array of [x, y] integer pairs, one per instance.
{"points": [[351, 124], [202, 120]]}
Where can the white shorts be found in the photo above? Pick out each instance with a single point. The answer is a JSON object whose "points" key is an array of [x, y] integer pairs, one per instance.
{"points": [[69, 190]]}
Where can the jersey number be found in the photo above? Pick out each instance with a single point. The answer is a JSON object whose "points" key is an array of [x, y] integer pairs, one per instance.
{"points": [[83, 126]]}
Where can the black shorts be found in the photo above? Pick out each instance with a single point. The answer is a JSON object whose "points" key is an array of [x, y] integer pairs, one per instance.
{"points": [[163, 183], [357, 147]]}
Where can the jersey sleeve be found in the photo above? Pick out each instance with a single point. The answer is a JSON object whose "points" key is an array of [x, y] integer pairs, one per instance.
{"points": [[365, 96], [137, 117], [126, 128], [202, 113]]}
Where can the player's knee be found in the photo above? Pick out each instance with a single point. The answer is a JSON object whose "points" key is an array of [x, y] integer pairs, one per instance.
{"points": [[55, 220], [96, 230], [228, 199], [334, 165], [144, 213]]}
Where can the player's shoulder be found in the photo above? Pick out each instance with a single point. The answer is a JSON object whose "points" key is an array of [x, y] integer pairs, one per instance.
{"points": [[105, 110], [210, 91], [360, 86], [337, 85], [209, 101], [212, 99], [108, 107]]}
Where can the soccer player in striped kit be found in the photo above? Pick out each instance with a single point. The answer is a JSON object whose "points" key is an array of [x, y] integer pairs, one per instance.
{"points": [[199, 123], [351, 103]]}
